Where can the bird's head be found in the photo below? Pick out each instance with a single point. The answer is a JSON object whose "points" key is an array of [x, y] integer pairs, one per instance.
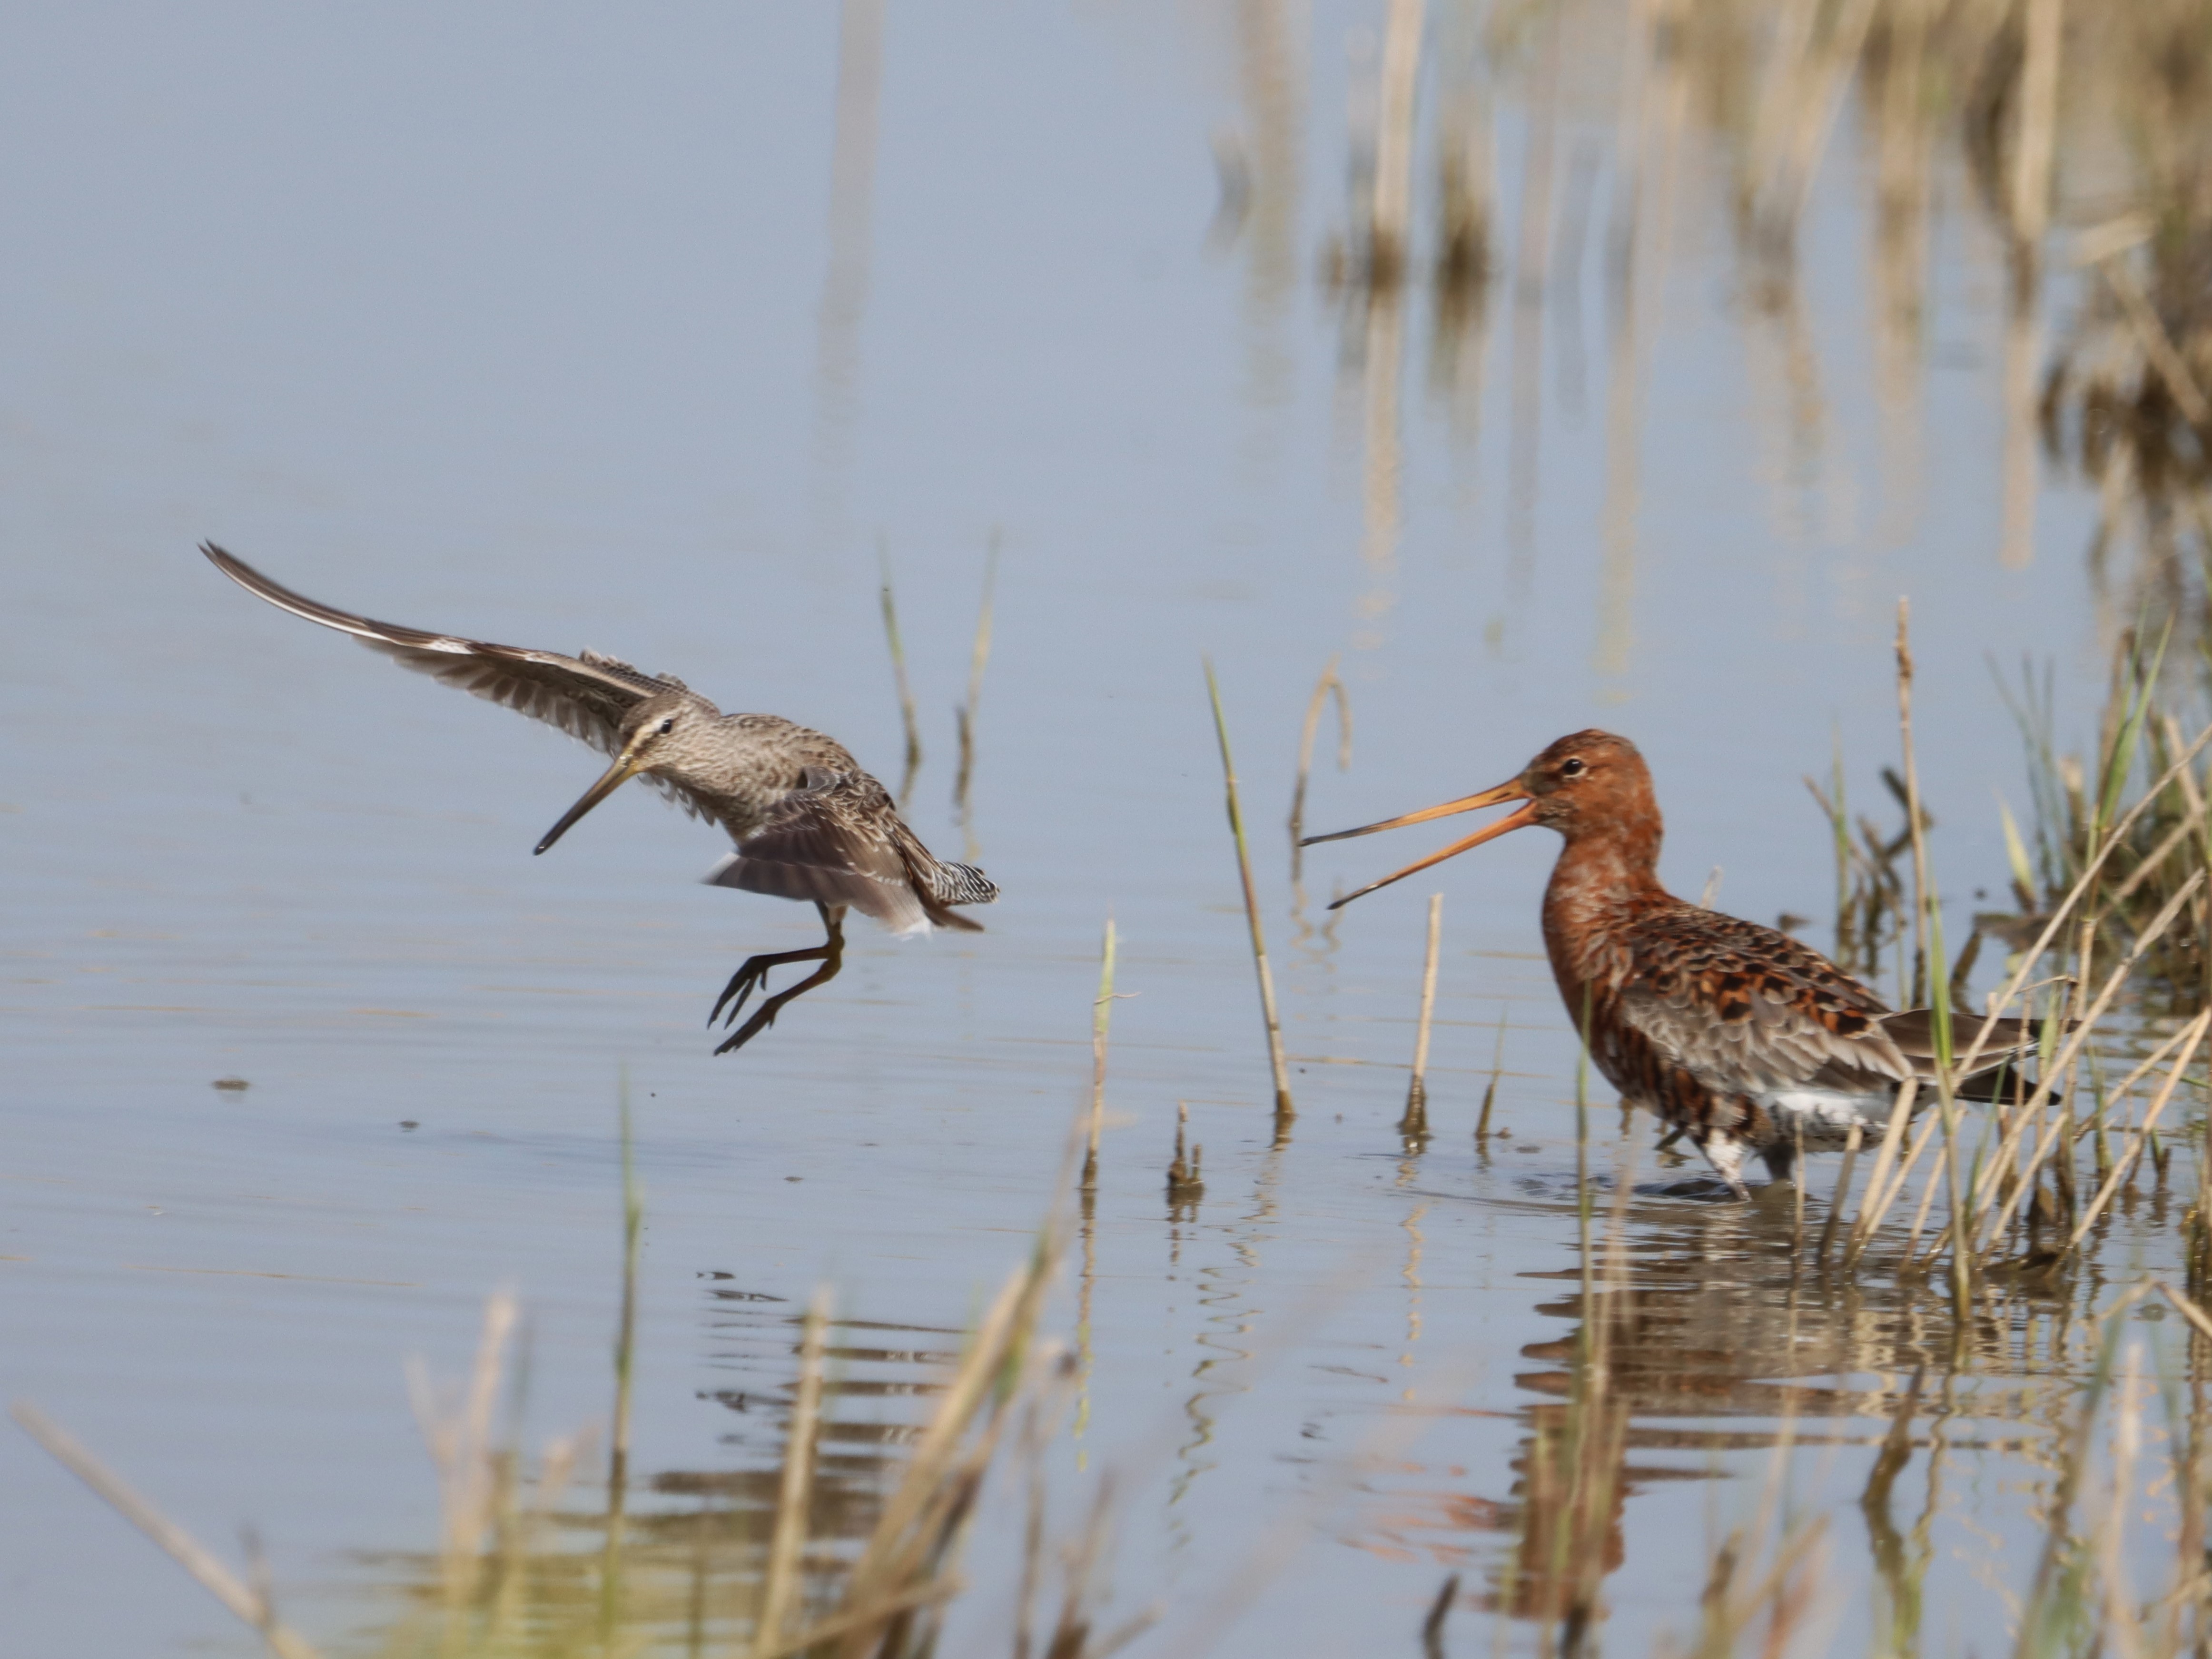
{"points": [[1588, 780], [1585, 783], [654, 735]]}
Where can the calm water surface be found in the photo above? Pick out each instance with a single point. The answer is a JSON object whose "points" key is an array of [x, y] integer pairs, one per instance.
{"points": [[572, 329]]}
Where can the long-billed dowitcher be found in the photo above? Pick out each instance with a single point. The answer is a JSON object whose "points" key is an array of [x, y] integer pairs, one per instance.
{"points": [[807, 822], [1743, 1038]]}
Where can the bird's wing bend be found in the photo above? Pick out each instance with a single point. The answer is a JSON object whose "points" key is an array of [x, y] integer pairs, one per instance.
{"points": [[839, 841], [1745, 1008], [586, 696]]}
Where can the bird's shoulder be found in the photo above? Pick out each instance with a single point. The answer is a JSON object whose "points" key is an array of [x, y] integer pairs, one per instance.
{"points": [[798, 747]]}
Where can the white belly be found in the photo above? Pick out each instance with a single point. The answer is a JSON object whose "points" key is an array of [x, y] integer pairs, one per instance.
{"points": [[1825, 1116]]}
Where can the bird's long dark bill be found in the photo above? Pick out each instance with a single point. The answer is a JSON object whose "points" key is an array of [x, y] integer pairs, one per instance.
{"points": [[1510, 821], [617, 775]]}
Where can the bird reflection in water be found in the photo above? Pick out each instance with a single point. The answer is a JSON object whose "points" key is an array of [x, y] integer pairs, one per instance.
{"points": [[1704, 1347]]}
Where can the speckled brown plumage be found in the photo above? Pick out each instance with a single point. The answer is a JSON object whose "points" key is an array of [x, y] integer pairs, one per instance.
{"points": [[1738, 1035], [807, 822]]}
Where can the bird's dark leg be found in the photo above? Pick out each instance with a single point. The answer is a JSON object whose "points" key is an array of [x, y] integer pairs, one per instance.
{"points": [[753, 975], [1781, 1160]]}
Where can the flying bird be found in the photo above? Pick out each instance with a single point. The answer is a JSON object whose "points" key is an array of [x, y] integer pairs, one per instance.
{"points": [[807, 822]]}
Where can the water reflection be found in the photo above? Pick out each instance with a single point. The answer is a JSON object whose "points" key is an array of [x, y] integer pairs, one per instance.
{"points": [[1708, 1341], [677, 1560]]}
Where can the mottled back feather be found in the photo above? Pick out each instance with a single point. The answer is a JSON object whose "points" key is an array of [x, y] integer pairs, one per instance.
{"points": [[839, 840], [1745, 1008]]}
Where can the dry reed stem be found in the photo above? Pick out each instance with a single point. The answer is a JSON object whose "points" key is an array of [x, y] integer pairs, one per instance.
{"points": [[1490, 1093], [1843, 1190], [2049, 1138], [788, 1543], [907, 716], [2075, 1040], [978, 657], [2158, 345], [461, 1446], [1878, 1196], [858, 1619], [2122, 1626], [1284, 1110], [2038, 119], [939, 1441], [1927, 941], [1102, 1008], [2154, 857], [2028, 209], [922, 1522], [1186, 1173], [1391, 203], [2001, 999], [250, 1606], [1927, 1205], [1330, 684], [2195, 1034], [1921, 1142], [1797, 1199], [1417, 1094], [2187, 1308], [625, 1368], [2117, 836]]}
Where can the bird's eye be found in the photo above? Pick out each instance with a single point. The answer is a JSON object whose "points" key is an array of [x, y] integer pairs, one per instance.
{"points": [[1571, 768], [668, 726]]}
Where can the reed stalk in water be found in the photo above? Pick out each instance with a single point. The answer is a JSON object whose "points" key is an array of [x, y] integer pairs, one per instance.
{"points": [[978, 657], [1330, 684], [907, 717], [1415, 1123], [1102, 1010], [1285, 1111]]}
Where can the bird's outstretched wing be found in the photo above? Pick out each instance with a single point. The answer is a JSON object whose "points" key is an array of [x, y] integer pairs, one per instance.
{"points": [[1745, 1008], [839, 841], [586, 696]]}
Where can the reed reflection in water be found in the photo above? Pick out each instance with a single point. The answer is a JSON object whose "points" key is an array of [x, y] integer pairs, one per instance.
{"points": [[683, 1561]]}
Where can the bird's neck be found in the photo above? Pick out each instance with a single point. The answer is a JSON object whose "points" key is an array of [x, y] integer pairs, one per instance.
{"points": [[1602, 883]]}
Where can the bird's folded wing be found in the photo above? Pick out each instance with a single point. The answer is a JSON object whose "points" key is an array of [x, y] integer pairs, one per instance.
{"points": [[829, 842], [1743, 1007], [586, 696], [1914, 1034]]}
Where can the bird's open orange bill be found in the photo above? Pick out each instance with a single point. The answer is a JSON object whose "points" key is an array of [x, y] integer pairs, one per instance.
{"points": [[1497, 797]]}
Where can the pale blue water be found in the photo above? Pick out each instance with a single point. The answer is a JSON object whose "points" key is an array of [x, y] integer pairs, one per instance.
{"points": [[510, 321]]}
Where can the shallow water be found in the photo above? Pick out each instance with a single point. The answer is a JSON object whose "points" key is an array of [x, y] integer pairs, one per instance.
{"points": [[550, 327]]}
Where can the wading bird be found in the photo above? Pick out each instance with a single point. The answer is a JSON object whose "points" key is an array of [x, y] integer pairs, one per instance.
{"points": [[807, 822], [1738, 1036]]}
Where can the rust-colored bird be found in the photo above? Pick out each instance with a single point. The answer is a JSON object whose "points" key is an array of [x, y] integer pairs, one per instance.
{"points": [[1742, 1037], [808, 824]]}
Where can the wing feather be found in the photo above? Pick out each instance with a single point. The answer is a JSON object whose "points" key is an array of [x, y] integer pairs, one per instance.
{"points": [[839, 840], [1748, 1009], [585, 695]]}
